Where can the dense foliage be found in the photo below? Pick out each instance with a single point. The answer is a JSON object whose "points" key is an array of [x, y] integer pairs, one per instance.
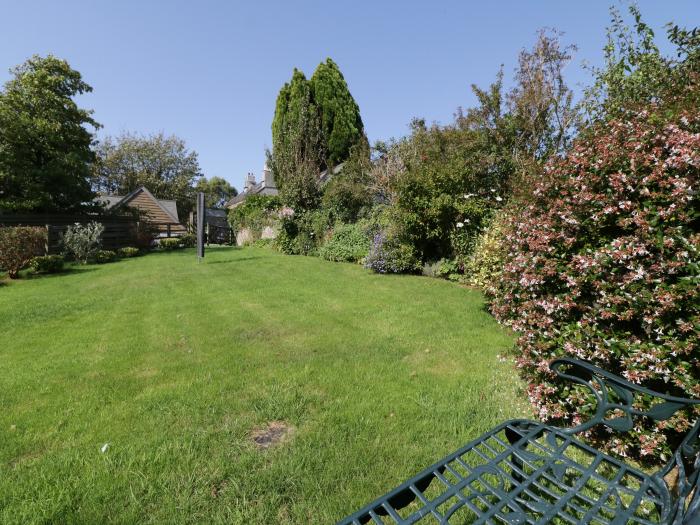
{"points": [[604, 265], [105, 256], [161, 163], [348, 243], [18, 246], [45, 152], [172, 243], [47, 264], [316, 124], [82, 241], [254, 214], [341, 124], [128, 252], [388, 254], [217, 191]]}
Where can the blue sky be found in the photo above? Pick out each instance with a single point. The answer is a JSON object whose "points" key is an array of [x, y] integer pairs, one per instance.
{"points": [[209, 71]]}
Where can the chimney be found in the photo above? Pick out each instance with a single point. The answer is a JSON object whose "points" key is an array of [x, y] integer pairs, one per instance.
{"points": [[268, 180], [249, 181]]}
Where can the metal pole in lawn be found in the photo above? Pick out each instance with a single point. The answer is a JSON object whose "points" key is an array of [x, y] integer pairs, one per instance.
{"points": [[200, 226]]}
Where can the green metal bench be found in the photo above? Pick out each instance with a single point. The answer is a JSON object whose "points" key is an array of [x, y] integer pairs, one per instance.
{"points": [[528, 472]]}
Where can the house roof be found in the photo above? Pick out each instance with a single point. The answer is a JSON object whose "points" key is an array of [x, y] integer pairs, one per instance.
{"points": [[169, 207], [257, 189]]}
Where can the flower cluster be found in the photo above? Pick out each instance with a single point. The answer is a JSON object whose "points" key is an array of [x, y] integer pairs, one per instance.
{"points": [[388, 254], [603, 264]]}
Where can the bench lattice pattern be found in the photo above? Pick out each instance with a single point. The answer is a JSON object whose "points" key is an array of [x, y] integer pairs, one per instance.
{"points": [[525, 472]]}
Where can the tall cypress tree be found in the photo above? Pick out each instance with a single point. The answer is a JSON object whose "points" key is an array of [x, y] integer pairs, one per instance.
{"points": [[316, 123], [298, 144], [340, 115]]}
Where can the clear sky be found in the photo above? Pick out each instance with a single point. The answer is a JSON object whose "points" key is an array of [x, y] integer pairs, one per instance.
{"points": [[209, 71]]}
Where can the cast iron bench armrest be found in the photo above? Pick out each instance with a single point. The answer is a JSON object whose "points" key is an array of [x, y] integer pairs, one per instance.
{"points": [[528, 472]]}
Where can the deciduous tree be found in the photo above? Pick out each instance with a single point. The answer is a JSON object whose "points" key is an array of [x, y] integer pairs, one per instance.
{"points": [[161, 163], [45, 138]]}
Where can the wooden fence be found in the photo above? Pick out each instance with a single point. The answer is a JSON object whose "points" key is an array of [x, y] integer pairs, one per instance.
{"points": [[118, 232]]}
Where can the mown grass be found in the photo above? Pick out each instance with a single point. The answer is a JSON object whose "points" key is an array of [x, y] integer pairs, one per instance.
{"points": [[174, 364]]}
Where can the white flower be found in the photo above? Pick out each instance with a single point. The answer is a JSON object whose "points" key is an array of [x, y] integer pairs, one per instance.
{"points": [[104, 448], [499, 199], [460, 225]]}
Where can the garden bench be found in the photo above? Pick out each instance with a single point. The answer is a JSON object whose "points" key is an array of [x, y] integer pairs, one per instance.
{"points": [[528, 472]]}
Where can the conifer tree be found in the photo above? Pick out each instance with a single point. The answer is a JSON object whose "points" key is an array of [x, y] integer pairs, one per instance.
{"points": [[340, 115]]}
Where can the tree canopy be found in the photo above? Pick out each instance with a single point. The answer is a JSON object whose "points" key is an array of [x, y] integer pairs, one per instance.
{"points": [[217, 191], [161, 163], [45, 143]]}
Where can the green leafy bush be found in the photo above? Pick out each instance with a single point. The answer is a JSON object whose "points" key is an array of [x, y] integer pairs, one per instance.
{"points": [[449, 269], [302, 234], [47, 264], [264, 243], [189, 240], [82, 241], [105, 256], [604, 265], [172, 243], [18, 246], [348, 243], [128, 251]]}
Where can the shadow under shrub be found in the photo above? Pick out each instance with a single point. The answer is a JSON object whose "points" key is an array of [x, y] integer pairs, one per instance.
{"points": [[603, 265], [47, 264]]}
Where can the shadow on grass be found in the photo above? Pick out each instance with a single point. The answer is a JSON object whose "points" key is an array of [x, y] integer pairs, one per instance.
{"points": [[70, 270]]}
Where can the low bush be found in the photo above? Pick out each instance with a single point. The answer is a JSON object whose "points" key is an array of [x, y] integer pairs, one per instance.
{"points": [[348, 243], [128, 251], [82, 241], [105, 256], [189, 240], [18, 246], [47, 264], [387, 254], [449, 269], [170, 244], [604, 265]]}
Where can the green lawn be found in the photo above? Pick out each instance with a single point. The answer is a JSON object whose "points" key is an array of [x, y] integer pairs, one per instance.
{"points": [[176, 364]]}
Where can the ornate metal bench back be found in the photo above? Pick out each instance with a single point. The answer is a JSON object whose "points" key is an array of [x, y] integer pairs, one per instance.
{"points": [[614, 394]]}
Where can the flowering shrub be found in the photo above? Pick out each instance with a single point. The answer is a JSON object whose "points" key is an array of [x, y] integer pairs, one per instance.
{"points": [[47, 264], [603, 265], [18, 246], [83, 240], [484, 265], [348, 243], [388, 254]]}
